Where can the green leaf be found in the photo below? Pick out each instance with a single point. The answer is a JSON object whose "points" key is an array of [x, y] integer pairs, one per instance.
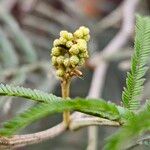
{"points": [[39, 96], [135, 80], [93, 107], [135, 126]]}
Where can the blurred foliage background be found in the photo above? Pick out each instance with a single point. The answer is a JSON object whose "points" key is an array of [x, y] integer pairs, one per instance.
{"points": [[27, 29]]}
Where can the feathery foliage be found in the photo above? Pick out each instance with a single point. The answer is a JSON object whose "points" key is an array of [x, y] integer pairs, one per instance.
{"points": [[39, 96], [133, 128], [135, 80], [94, 107]]}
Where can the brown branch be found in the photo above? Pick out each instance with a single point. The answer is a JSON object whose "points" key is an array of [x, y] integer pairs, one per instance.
{"points": [[91, 121], [23, 140]]}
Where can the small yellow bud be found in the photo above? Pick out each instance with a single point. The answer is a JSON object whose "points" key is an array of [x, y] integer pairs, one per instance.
{"points": [[86, 31], [82, 61], [62, 41], [55, 51], [78, 34], [74, 60], [56, 42], [69, 44], [63, 33], [87, 37], [74, 49], [67, 62], [82, 45], [70, 36], [67, 35], [60, 72], [84, 55], [54, 60], [60, 60]]}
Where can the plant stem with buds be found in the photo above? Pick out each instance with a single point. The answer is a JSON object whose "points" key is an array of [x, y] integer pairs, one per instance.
{"points": [[65, 89]]}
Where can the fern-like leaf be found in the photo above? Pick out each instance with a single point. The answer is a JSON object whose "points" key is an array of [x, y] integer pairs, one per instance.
{"points": [[39, 96], [94, 107], [135, 80], [134, 127]]}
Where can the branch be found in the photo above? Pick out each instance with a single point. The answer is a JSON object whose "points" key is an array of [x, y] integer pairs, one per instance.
{"points": [[110, 20], [90, 121], [139, 142], [129, 8], [95, 91], [23, 140]]}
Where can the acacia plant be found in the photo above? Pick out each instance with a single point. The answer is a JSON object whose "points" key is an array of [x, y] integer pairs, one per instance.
{"points": [[68, 54]]}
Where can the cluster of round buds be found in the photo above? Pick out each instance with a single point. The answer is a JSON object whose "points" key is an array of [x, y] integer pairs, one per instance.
{"points": [[70, 51]]}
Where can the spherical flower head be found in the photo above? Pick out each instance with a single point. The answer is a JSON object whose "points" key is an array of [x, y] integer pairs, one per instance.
{"points": [[74, 60], [56, 42], [70, 52], [85, 30], [55, 51], [74, 50], [69, 44], [60, 60], [54, 60], [60, 72], [82, 33], [82, 44], [67, 35], [62, 41], [66, 62]]}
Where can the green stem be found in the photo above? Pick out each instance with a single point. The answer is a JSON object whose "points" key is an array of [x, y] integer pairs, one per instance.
{"points": [[65, 89]]}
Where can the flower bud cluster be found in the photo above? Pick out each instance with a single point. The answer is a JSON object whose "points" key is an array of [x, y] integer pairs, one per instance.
{"points": [[70, 51]]}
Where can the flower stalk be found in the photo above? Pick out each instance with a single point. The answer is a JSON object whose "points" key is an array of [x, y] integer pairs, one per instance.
{"points": [[65, 90]]}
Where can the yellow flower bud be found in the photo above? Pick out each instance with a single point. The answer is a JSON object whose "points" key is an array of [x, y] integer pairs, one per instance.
{"points": [[82, 45], [67, 62], [82, 61], [86, 31], [63, 34], [55, 51], [56, 42], [87, 37], [60, 60], [84, 55], [74, 60], [69, 44], [78, 34], [67, 35], [74, 49], [54, 60], [70, 36], [60, 72], [62, 41]]}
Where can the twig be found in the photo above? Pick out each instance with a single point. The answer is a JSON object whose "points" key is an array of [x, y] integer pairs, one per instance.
{"points": [[129, 8], [139, 142], [22, 140], [95, 91], [90, 121], [113, 18]]}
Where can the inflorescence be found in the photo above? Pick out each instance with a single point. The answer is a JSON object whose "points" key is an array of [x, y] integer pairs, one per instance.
{"points": [[70, 51]]}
